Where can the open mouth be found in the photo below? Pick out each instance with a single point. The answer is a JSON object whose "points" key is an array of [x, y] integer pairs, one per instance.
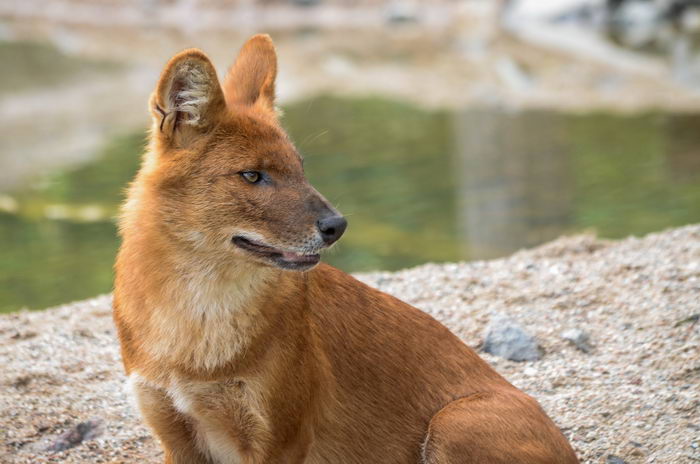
{"points": [[281, 258]]}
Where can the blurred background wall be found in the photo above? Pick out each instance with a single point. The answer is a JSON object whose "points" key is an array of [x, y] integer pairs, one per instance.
{"points": [[445, 130]]}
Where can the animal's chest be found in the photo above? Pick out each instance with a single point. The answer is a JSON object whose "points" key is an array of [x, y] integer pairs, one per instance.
{"points": [[226, 417]]}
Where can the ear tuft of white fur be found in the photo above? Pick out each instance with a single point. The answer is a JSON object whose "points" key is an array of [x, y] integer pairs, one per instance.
{"points": [[191, 92]]}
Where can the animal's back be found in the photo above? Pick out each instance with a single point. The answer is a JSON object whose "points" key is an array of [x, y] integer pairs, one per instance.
{"points": [[394, 368]]}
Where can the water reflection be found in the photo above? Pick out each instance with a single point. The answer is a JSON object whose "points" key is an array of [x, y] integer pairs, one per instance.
{"points": [[515, 179], [387, 166], [416, 185], [46, 262], [683, 150]]}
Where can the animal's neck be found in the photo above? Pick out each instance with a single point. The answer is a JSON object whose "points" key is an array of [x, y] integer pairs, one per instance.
{"points": [[201, 310]]}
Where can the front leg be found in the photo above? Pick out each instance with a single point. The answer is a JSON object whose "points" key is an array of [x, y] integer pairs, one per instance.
{"points": [[174, 430]]}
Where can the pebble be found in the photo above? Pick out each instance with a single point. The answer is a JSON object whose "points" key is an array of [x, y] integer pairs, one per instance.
{"points": [[77, 434], [578, 337], [612, 459], [505, 338]]}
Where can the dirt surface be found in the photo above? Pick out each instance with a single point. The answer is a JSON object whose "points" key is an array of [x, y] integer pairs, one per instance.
{"points": [[634, 397]]}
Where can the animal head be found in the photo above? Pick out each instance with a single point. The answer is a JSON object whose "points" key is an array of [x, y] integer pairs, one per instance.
{"points": [[223, 173]]}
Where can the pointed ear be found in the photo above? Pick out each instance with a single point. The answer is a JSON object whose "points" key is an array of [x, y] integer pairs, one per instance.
{"points": [[251, 79], [188, 98]]}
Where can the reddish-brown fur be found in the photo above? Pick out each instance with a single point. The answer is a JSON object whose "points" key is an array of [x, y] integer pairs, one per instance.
{"points": [[234, 359]]}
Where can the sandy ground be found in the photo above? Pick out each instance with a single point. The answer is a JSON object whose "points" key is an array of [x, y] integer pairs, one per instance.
{"points": [[634, 398]]}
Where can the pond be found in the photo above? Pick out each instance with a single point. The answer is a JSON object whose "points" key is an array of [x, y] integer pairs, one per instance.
{"points": [[416, 185]]}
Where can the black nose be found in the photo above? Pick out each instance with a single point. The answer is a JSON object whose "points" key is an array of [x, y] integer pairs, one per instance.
{"points": [[331, 228]]}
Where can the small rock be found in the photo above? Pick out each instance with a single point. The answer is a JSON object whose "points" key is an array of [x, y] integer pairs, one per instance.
{"points": [[22, 381], [401, 12], [508, 340], [23, 335], [579, 338], [305, 3], [612, 459], [693, 318], [76, 435]]}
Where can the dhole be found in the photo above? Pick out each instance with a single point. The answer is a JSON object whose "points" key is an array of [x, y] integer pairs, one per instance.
{"points": [[241, 348]]}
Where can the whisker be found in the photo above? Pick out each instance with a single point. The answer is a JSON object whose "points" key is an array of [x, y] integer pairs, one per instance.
{"points": [[312, 138]]}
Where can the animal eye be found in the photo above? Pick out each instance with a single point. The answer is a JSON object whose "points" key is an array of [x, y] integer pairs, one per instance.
{"points": [[251, 176]]}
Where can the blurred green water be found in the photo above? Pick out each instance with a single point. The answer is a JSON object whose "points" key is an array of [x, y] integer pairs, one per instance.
{"points": [[399, 173], [416, 185]]}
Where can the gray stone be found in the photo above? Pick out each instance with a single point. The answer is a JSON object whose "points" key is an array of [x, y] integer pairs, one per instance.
{"points": [[507, 339], [305, 3], [77, 434], [612, 459], [579, 338], [401, 12]]}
